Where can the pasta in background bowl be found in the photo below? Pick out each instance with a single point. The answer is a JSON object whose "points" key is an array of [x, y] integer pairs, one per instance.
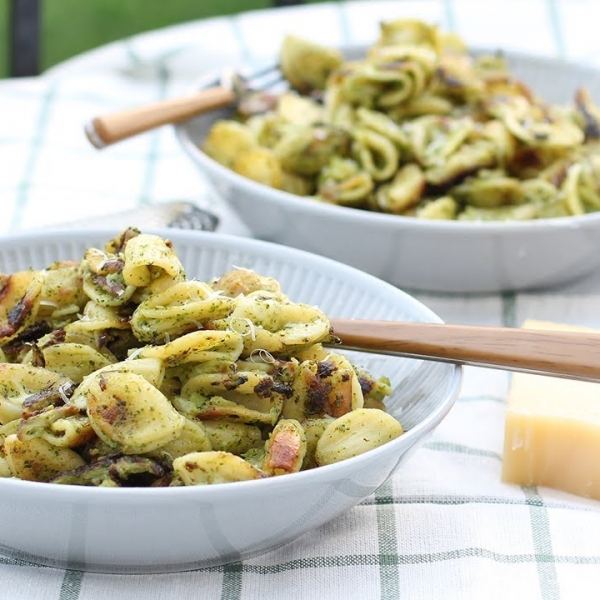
{"points": [[95, 525], [416, 168]]}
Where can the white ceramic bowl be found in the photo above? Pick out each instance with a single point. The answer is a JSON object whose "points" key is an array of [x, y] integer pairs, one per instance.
{"points": [[180, 528], [439, 256]]}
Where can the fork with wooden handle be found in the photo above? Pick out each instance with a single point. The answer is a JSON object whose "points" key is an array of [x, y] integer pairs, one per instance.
{"points": [[108, 129], [231, 88], [572, 355]]}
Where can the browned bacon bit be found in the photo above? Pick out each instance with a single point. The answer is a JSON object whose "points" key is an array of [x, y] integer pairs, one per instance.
{"points": [[111, 266], [235, 381], [35, 331], [52, 395], [267, 387], [58, 336], [583, 103], [284, 452], [112, 287], [116, 470], [264, 389], [102, 339], [284, 371], [119, 344], [283, 388], [37, 356], [333, 339], [21, 343], [60, 412], [524, 160], [325, 368], [17, 316], [285, 449], [118, 244], [325, 396], [340, 398], [366, 385], [317, 394]]}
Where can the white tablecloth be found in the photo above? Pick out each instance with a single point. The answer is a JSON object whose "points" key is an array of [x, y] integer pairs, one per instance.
{"points": [[444, 527]]}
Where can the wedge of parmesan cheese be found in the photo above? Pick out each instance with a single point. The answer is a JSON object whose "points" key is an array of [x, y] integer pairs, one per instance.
{"points": [[552, 430]]}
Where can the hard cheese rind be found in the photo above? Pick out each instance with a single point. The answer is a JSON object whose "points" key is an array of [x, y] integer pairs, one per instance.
{"points": [[552, 430]]}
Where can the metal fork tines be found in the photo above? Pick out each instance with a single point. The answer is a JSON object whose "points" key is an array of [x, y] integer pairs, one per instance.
{"points": [[256, 92], [263, 79], [176, 214]]}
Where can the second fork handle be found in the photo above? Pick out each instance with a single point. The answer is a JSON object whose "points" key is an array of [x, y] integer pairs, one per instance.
{"points": [[567, 354], [108, 129]]}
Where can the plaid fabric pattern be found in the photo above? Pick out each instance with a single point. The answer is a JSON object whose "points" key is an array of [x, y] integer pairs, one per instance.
{"points": [[444, 527]]}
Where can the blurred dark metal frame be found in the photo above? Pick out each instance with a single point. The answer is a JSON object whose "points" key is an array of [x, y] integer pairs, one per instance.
{"points": [[25, 35]]}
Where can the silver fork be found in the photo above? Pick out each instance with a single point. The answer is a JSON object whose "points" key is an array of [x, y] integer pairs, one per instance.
{"points": [[177, 214], [249, 93]]}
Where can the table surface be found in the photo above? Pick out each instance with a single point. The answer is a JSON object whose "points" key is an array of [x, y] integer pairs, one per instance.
{"points": [[444, 526]]}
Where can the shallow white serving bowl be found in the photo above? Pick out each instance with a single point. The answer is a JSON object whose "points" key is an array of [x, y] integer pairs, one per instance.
{"points": [[180, 528], [439, 256]]}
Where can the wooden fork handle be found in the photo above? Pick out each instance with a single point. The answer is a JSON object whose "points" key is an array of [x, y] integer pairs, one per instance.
{"points": [[568, 354], [108, 129]]}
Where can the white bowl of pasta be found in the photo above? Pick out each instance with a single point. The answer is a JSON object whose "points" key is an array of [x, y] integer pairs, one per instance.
{"points": [[167, 400], [478, 182]]}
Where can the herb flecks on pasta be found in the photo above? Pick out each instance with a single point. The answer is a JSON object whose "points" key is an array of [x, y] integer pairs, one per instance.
{"points": [[418, 127], [117, 370]]}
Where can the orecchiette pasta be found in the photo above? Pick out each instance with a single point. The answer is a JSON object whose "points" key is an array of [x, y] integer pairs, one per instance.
{"points": [[117, 370], [412, 129]]}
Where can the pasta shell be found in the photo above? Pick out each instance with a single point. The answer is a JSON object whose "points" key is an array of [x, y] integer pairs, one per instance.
{"points": [[20, 297], [38, 460], [150, 369], [376, 153], [408, 31], [328, 387], [261, 165], [199, 346], [130, 414], [183, 307], [307, 65], [269, 321], [440, 208], [243, 282], [227, 140], [313, 430], [203, 468], [74, 361], [147, 257], [103, 279], [306, 150], [18, 382], [354, 433], [62, 292], [403, 192], [236, 438], [343, 181], [193, 438], [218, 408]]}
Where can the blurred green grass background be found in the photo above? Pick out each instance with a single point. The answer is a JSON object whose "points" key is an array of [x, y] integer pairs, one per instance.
{"points": [[70, 27]]}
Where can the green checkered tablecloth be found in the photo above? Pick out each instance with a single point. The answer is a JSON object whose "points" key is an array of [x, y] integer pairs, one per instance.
{"points": [[444, 527]]}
